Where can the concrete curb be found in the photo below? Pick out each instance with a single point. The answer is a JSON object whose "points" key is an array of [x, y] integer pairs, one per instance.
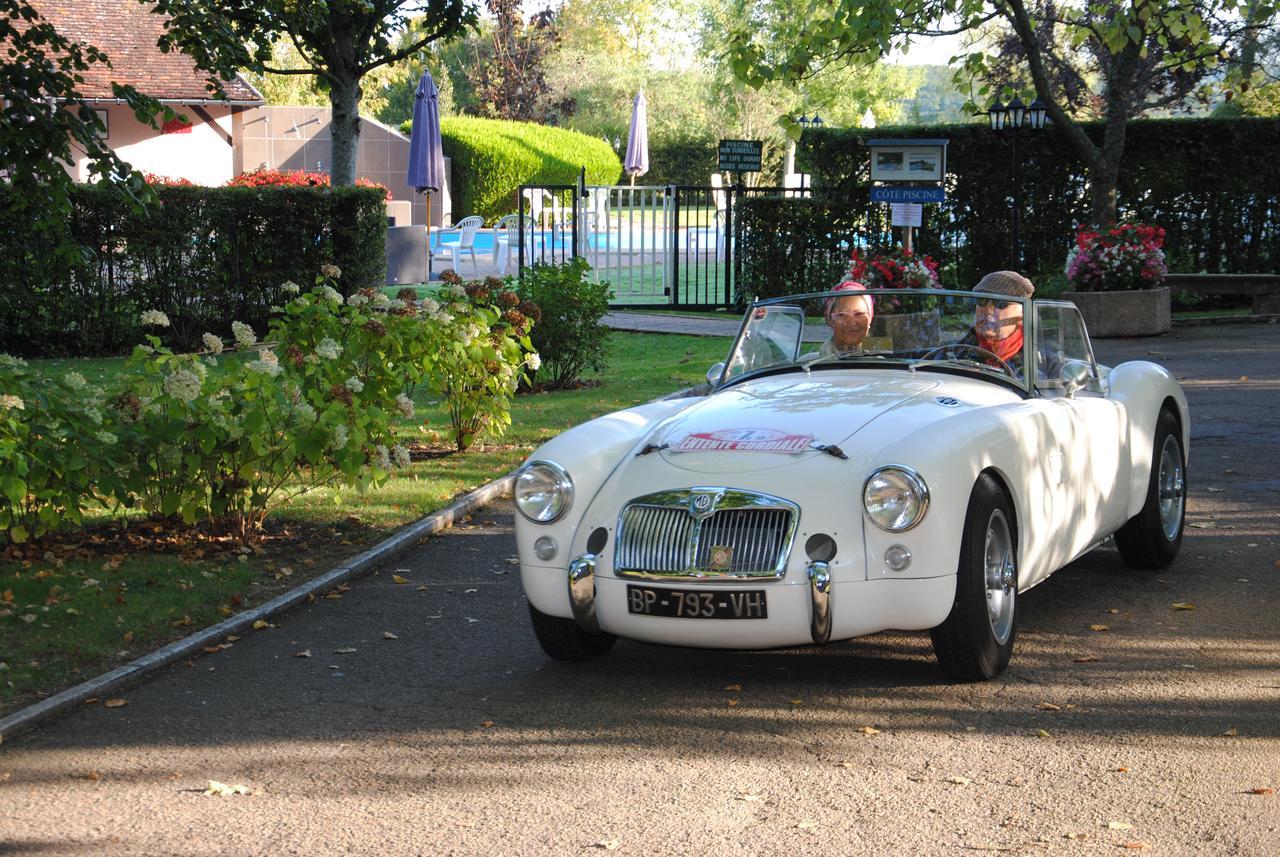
{"points": [[361, 564]]}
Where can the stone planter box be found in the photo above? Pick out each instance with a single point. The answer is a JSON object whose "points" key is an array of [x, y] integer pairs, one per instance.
{"points": [[1112, 314]]}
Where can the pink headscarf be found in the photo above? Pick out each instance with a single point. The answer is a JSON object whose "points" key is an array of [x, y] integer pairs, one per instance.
{"points": [[851, 286]]}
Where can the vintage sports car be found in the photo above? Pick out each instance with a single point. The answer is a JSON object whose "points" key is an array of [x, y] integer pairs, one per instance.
{"points": [[915, 480]]}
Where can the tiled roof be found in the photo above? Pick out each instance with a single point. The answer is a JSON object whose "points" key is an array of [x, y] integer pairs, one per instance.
{"points": [[127, 32]]}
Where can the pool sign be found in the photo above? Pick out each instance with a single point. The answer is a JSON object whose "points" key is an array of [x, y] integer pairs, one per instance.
{"points": [[740, 156], [908, 194]]}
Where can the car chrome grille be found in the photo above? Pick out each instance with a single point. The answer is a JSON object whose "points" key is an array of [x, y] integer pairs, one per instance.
{"points": [[743, 535]]}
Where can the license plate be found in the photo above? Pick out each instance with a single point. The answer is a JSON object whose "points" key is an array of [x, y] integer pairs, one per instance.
{"points": [[697, 604]]}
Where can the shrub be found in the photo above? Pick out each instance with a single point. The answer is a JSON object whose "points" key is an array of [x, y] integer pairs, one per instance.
{"points": [[201, 255], [58, 450], [291, 178], [491, 158], [483, 352], [1126, 256], [569, 336]]}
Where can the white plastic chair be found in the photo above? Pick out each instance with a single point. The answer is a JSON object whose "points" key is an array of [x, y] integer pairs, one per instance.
{"points": [[506, 241], [466, 230]]}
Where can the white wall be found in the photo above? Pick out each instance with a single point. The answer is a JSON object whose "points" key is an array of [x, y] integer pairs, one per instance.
{"points": [[200, 156]]}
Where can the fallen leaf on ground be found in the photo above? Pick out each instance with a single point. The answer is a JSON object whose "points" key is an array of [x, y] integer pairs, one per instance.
{"points": [[91, 700], [224, 790], [91, 776], [734, 688], [1097, 627], [305, 653], [1075, 836], [1049, 706], [1088, 659], [869, 730], [487, 724], [469, 591], [115, 703], [1043, 733], [1119, 825], [345, 650], [1230, 733], [399, 578], [797, 701], [807, 825], [387, 635], [732, 703], [848, 766], [1264, 790], [422, 589], [1136, 846], [959, 781], [1203, 525], [262, 623], [1183, 605], [1121, 770], [1113, 611], [607, 844], [750, 798]]}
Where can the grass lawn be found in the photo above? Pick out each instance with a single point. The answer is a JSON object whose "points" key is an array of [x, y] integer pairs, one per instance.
{"points": [[80, 603]]}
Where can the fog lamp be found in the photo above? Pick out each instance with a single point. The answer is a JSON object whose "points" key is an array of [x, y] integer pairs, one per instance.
{"points": [[897, 557], [545, 548]]}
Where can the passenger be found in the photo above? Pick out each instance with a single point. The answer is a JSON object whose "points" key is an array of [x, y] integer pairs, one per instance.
{"points": [[849, 317]]}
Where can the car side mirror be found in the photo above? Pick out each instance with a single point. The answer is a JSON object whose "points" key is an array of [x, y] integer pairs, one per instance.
{"points": [[714, 373], [1075, 375]]}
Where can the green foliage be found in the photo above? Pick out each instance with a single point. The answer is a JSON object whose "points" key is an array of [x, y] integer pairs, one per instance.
{"points": [[57, 452], [686, 162], [201, 255], [1219, 213], [492, 158], [481, 357], [569, 337], [792, 246]]}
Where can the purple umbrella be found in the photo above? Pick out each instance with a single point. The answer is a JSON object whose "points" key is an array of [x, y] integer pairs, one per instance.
{"points": [[426, 153], [637, 162]]}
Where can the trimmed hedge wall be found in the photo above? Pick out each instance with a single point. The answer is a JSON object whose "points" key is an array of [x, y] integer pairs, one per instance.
{"points": [[205, 256], [1213, 184], [493, 157]]}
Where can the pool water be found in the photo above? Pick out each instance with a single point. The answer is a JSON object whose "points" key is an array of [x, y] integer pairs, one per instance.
{"points": [[635, 241]]}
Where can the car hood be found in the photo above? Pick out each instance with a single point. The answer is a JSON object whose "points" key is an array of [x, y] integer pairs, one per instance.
{"points": [[772, 422]]}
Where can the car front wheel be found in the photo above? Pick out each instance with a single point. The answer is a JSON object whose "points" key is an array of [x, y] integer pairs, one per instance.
{"points": [[976, 640], [563, 640], [1152, 538]]}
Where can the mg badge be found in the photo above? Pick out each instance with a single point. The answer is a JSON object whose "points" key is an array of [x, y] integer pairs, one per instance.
{"points": [[721, 557], [702, 505]]}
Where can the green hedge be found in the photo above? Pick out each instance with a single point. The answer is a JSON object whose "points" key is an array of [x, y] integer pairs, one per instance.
{"points": [[493, 157], [1213, 184], [204, 256]]}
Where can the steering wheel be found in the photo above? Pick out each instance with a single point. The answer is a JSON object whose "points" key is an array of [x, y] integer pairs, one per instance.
{"points": [[987, 356]]}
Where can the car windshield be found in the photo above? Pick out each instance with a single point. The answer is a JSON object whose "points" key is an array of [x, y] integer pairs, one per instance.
{"points": [[974, 332]]}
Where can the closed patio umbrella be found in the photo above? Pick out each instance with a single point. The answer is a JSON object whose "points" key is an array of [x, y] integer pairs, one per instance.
{"points": [[426, 153], [637, 161]]}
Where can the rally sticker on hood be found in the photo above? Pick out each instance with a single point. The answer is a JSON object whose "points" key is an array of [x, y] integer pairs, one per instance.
{"points": [[744, 440]]}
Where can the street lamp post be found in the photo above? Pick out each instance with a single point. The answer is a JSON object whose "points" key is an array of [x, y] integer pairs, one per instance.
{"points": [[1011, 123]]}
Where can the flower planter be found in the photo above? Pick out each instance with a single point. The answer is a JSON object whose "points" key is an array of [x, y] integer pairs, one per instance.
{"points": [[1111, 314]]}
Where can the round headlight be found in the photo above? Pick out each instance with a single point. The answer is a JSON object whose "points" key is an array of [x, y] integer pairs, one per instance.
{"points": [[543, 491], [895, 498]]}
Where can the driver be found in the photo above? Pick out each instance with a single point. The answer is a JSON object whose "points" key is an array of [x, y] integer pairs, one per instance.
{"points": [[997, 324], [849, 317]]}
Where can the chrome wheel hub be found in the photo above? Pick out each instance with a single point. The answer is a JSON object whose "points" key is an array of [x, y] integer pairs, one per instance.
{"points": [[1171, 484], [1000, 574]]}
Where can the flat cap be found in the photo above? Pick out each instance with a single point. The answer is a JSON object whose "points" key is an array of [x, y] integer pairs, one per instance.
{"points": [[1006, 283]]}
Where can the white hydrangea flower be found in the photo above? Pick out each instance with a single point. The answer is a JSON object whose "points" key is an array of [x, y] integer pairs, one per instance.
{"points": [[328, 349], [201, 371], [305, 412], [245, 337], [10, 360], [212, 344], [384, 460], [94, 415], [74, 380], [428, 307], [533, 360], [454, 291], [275, 308], [289, 287], [267, 364], [13, 403], [459, 308], [395, 304], [339, 437], [401, 456], [331, 294], [354, 384], [154, 318], [380, 300], [183, 384], [330, 271], [357, 300], [443, 317], [106, 438], [405, 404]]}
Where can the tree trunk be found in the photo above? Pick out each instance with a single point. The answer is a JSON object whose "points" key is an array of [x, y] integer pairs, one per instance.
{"points": [[344, 97]]}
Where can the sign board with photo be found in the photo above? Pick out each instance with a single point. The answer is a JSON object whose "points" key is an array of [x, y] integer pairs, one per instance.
{"points": [[908, 160]]}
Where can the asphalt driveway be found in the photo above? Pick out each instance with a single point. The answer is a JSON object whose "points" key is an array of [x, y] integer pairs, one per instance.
{"points": [[425, 719]]}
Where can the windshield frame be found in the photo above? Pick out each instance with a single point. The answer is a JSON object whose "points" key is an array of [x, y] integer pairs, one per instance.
{"points": [[1025, 385]]}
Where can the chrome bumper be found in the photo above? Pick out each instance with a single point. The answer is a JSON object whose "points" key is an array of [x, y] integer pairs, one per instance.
{"points": [[582, 597]]}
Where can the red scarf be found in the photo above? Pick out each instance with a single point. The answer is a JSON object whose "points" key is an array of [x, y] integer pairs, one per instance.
{"points": [[1007, 348]]}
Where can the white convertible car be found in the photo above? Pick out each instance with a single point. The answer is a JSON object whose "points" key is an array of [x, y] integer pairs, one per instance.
{"points": [[916, 481]]}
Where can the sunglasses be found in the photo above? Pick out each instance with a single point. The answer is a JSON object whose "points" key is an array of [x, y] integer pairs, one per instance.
{"points": [[987, 303]]}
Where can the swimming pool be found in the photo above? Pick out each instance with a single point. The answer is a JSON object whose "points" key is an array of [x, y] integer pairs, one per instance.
{"points": [[632, 241]]}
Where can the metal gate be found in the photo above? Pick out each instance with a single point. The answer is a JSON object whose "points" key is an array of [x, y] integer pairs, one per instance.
{"points": [[670, 246]]}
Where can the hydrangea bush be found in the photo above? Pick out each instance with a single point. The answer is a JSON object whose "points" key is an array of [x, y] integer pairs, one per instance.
{"points": [[1126, 257]]}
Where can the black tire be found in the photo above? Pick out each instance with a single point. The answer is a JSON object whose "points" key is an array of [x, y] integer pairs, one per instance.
{"points": [[563, 640], [971, 645], [1152, 538]]}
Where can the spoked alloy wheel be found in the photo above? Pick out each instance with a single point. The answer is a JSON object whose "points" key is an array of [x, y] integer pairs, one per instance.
{"points": [[1152, 538], [976, 640]]}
